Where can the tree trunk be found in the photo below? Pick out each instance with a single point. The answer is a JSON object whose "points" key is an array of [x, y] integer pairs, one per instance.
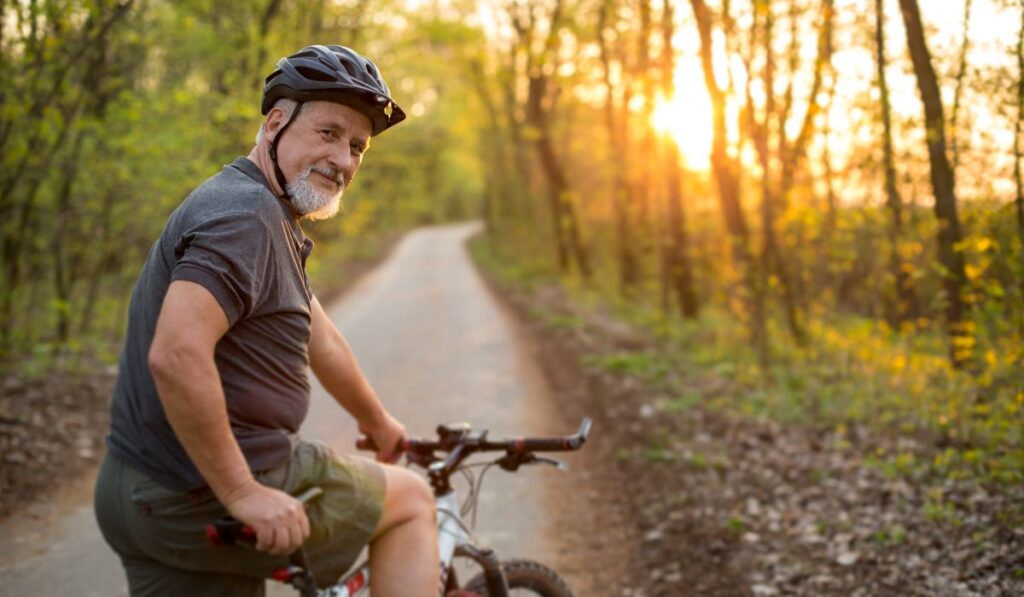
{"points": [[553, 172], [97, 271], [618, 137], [771, 258], [63, 273], [726, 170], [680, 271], [677, 257], [961, 73], [949, 234], [724, 167], [792, 155], [539, 107], [649, 224], [903, 303], [826, 159], [1017, 176]]}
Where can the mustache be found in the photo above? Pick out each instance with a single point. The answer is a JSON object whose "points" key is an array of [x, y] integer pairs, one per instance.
{"points": [[330, 173]]}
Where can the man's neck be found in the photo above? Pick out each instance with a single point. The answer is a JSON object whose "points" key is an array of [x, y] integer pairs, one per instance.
{"points": [[261, 157]]}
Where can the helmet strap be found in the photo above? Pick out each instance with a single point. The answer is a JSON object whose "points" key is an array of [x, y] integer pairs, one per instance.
{"points": [[281, 180]]}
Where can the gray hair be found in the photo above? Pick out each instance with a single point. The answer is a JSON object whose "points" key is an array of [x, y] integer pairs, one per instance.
{"points": [[287, 106]]}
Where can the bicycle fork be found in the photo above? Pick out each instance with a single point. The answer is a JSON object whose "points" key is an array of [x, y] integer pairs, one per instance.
{"points": [[497, 586], [455, 541]]}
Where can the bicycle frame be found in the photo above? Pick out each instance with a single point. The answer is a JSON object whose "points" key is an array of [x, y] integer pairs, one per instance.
{"points": [[459, 441]]}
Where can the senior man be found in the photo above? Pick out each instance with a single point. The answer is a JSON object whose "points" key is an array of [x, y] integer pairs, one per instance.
{"points": [[213, 381]]}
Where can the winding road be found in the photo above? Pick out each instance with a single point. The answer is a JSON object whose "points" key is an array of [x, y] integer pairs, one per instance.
{"points": [[436, 345]]}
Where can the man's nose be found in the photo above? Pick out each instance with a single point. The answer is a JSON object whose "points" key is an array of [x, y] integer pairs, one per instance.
{"points": [[343, 162]]}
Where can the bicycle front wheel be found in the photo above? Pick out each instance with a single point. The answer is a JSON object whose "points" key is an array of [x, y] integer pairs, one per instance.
{"points": [[525, 577]]}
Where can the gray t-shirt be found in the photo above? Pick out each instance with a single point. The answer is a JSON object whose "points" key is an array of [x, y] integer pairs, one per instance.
{"points": [[240, 242]]}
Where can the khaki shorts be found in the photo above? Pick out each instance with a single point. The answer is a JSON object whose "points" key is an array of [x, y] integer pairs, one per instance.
{"points": [[159, 533]]}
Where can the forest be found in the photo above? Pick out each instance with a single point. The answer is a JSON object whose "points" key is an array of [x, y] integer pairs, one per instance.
{"points": [[821, 199]]}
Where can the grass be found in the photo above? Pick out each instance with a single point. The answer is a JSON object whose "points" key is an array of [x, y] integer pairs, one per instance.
{"points": [[736, 525], [890, 535], [684, 402], [641, 364]]}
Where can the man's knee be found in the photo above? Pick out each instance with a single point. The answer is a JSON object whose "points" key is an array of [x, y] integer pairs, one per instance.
{"points": [[410, 492], [407, 497]]}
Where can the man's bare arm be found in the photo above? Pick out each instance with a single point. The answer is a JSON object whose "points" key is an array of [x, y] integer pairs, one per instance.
{"points": [[335, 365], [181, 360]]}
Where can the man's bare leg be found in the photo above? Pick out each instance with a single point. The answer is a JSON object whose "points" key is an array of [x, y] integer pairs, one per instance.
{"points": [[404, 557]]}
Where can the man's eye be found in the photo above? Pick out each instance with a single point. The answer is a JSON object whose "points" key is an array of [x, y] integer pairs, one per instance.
{"points": [[328, 133], [358, 149]]}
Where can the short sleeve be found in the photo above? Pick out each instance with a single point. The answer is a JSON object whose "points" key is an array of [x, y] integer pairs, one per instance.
{"points": [[230, 256]]}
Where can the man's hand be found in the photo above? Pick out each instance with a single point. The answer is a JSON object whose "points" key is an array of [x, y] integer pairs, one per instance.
{"points": [[279, 519], [388, 434]]}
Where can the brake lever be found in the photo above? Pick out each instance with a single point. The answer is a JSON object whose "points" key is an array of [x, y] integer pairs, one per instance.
{"points": [[551, 461], [513, 460]]}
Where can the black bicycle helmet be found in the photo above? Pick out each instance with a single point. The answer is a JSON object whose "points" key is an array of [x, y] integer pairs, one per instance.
{"points": [[335, 74]]}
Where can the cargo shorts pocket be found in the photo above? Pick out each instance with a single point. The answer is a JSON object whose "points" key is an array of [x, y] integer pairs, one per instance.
{"points": [[171, 524], [171, 529]]}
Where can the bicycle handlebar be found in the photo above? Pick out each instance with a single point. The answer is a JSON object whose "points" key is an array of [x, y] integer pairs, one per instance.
{"points": [[452, 437]]}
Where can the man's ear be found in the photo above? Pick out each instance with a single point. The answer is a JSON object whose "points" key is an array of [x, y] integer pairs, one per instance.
{"points": [[272, 125]]}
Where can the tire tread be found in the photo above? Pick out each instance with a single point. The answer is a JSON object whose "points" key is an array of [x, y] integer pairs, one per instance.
{"points": [[525, 574]]}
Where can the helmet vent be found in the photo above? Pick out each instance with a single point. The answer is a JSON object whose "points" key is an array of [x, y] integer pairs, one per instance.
{"points": [[315, 74], [371, 70], [350, 69]]}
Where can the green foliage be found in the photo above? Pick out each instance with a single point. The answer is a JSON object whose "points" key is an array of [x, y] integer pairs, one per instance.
{"points": [[684, 402], [628, 363], [514, 269], [660, 455], [112, 112], [556, 321], [698, 461], [890, 535], [938, 509], [736, 525]]}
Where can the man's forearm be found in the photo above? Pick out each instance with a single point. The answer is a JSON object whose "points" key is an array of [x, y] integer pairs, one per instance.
{"points": [[338, 371]]}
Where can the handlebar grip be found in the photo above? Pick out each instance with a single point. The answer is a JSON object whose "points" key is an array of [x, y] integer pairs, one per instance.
{"points": [[552, 444], [228, 531], [555, 444]]}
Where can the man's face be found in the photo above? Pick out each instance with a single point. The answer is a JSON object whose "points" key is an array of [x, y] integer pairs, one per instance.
{"points": [[320, 154]]}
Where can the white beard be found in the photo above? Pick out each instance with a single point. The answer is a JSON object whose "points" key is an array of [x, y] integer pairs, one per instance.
{"points": [[311, 203]]}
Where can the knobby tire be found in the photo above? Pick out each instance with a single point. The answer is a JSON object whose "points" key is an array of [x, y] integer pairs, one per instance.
{"points": [[525, 574]]}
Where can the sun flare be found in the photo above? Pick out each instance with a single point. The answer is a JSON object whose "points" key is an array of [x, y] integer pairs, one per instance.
{"points": [[686, 117]]}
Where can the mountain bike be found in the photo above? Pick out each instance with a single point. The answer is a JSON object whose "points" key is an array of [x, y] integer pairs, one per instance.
{"points": [[442, 458]]}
